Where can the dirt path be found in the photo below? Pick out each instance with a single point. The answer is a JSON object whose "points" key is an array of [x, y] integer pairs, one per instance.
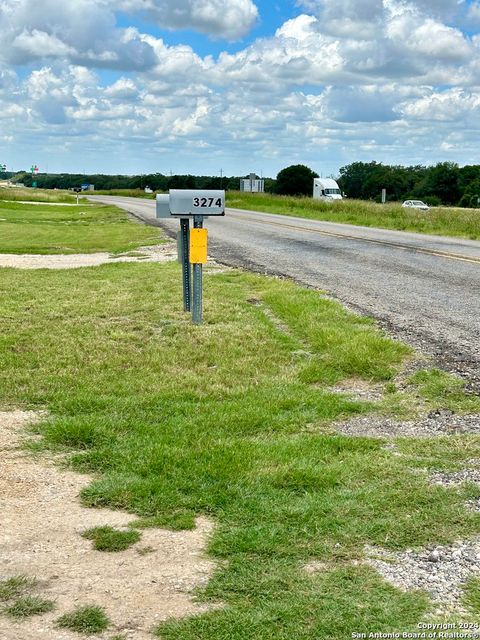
{"points": [[155, 253], [40, 526]]}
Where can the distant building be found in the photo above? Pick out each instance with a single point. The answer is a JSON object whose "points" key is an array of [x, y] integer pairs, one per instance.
{"points": [[9, 183], [252, 184]]}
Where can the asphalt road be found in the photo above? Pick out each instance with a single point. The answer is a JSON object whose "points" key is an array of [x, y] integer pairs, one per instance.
{"points": [[424, 289]]}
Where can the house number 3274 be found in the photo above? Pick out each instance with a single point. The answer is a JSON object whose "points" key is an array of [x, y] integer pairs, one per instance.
{"points": [[207, 202]]}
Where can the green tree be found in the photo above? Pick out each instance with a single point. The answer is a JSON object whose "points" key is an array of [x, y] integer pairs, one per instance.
{"points": [[353, 178], [471, 195], [442, 181], [468, 182], [296, 180]]}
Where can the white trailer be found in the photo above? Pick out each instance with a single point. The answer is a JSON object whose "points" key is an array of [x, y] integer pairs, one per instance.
{"points": [[252, 184], [326, 189]]}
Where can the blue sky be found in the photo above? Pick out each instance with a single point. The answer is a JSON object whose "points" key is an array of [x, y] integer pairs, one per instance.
{"points": [[199, 86], [271, 16]]}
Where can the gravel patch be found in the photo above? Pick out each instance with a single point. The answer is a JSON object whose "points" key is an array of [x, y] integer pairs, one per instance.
{"points": [[439, 423], [440, 571], [212, 267], [360, 390], [461, 359], [156, 253], [473, 505], [455, 478], [40, 536]]}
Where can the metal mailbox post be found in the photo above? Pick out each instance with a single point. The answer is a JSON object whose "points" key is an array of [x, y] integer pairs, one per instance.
{"points": [[192, 246], [183, 241]]}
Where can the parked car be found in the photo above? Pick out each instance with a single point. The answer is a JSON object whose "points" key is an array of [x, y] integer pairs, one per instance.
{"points": [[415, 204]]}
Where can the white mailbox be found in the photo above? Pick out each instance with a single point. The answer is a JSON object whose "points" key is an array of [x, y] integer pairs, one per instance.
{"points": [[197, 202], [163, 205]]}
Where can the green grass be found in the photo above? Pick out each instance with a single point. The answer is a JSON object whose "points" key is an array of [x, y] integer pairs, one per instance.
{"points": [[447, 391], [232, 419], [471, 596], [429, 390], [277, 601], [19, 603], [36, 195], [29, 606], [15, 586], [110, 539], [463, 223], [87, 620], [50, 229]]}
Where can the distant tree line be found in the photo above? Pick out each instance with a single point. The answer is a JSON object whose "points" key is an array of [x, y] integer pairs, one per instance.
{"points": [[444, 183], [155, 181]]}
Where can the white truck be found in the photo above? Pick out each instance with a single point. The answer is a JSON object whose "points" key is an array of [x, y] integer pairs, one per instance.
{"points": [[326, 189]]}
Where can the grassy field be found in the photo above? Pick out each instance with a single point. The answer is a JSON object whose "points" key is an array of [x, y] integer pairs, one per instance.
{"points": [[49, 227], [463, 223], [232, 419], [25, 194]]}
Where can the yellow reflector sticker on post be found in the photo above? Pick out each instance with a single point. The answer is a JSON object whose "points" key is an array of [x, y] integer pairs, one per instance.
{"points": [[198, 246]]}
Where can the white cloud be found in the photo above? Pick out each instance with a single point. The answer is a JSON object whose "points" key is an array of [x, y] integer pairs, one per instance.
{"points": [[428, 39], [359, 19], [30, 43], [8, 79], [178, 64], [12, 111], [122, 89], [407, 46], [454, 105], [297, 54], [230, 20], [79, 31], [442, 8], [85, 31], [192, 123], [353, 79], [366, 104], [44, 82]]}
